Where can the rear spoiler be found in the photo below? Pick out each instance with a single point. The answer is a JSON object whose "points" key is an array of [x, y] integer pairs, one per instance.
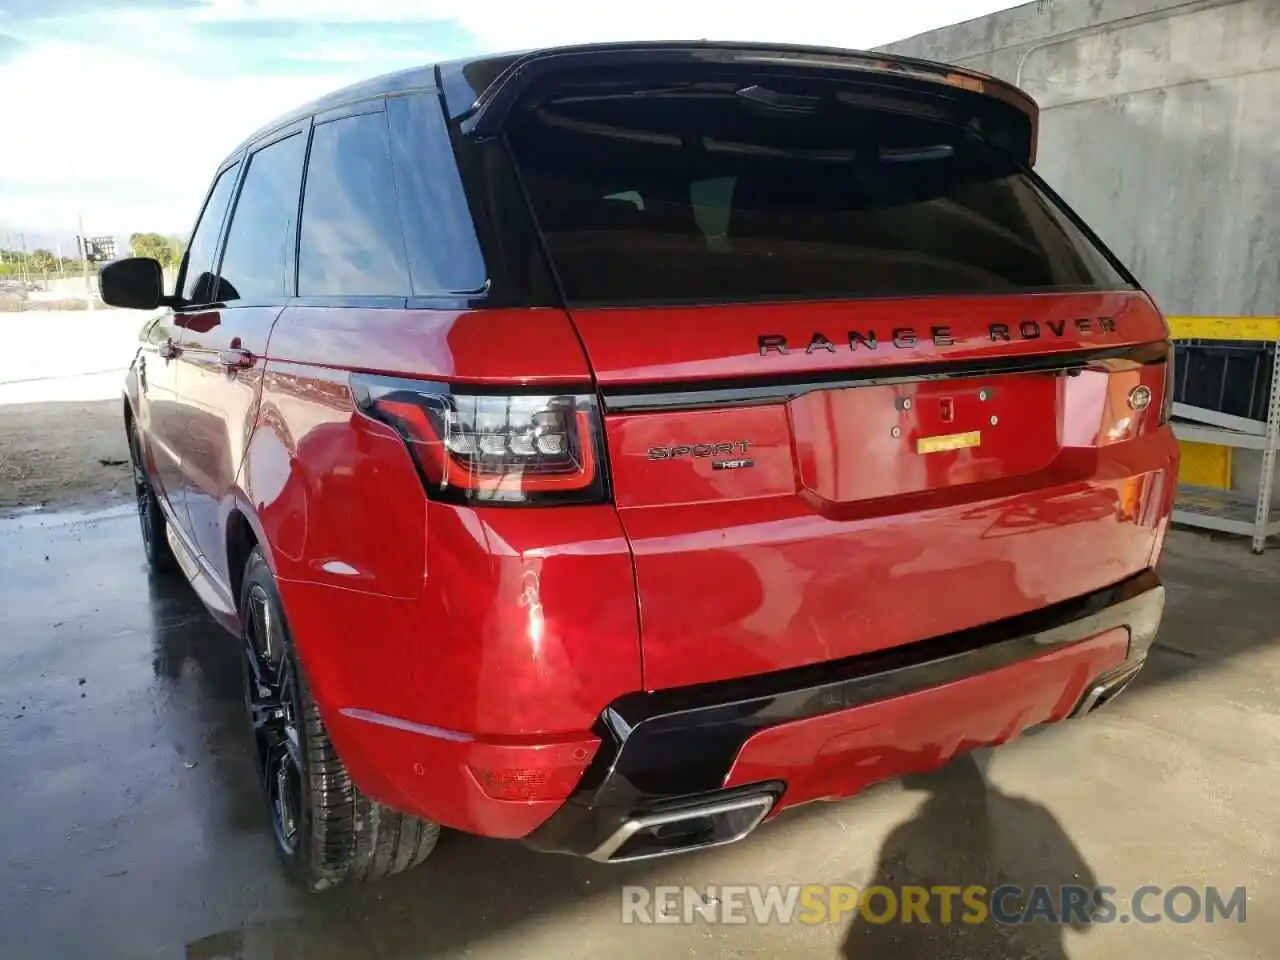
{"points": [[481, 94]]}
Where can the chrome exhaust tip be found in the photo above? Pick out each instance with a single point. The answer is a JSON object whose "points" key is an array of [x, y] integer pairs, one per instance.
{"points": [[1107, 688], [711, 824]]}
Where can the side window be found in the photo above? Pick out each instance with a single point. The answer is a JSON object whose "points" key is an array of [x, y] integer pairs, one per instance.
{"points": [[197, 280], [712, 204], [258, 258], [352, 243], [440, 237]]}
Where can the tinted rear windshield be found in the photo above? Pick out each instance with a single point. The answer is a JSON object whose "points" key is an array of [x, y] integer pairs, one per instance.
{"points": [[727, 193]]}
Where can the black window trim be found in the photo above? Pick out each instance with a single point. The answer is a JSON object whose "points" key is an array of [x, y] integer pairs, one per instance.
{"points": [[357, 108], [236, 158], [368, 301], [303, 127], [1069, 212]]}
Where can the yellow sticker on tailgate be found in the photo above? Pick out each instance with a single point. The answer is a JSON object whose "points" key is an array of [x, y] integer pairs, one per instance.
{"points": [[950, 441]]}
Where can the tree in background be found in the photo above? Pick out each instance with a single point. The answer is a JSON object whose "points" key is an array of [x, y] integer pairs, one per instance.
{"points": [[42, 261], [168, 250]]}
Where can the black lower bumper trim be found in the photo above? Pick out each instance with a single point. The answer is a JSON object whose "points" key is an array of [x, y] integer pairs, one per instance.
{"points": [[670, 747]]}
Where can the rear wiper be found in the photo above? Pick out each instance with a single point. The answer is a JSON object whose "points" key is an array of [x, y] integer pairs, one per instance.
{"points": [[627, 93], [777, 100], [937, 151]]}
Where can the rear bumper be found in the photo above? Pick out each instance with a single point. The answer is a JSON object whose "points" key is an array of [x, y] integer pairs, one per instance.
{"points": [[745, 749], [756, 744]]}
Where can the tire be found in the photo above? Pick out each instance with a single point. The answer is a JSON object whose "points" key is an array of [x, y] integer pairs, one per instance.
{"points": [[151, 520], [326, 831]]}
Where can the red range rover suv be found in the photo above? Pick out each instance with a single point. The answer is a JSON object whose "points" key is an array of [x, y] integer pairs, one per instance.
{"points": [[613, 446]]}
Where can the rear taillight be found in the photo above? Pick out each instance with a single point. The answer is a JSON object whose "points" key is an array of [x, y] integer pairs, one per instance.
{"points": [[472, 444]]}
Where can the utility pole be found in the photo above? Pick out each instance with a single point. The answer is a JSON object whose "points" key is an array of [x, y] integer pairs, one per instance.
{"points": [[22, 267], [84, 259], [84, 239]]}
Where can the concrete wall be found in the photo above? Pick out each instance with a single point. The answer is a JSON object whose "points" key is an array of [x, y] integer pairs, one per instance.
{"points": [[71, 287], [1160, 124]]}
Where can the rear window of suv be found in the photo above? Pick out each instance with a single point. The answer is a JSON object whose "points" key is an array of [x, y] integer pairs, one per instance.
{"points": [[714, 196]]}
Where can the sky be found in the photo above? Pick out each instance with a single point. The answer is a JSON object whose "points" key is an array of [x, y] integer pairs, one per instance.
{"points": [[121, 109]]}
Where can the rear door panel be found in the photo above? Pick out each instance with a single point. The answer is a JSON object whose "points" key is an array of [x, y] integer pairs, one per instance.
{"points": [[160, 412], [221, 403]]}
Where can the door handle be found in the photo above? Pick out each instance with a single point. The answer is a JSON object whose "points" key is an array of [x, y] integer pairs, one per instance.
{"points": [[236, 358], [169, 350]]}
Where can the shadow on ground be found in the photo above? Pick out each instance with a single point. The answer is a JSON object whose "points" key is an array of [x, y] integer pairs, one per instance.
{"points": [[969, 832]]}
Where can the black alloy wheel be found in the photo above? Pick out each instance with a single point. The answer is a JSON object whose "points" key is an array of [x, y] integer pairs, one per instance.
{"points": [[151, 520], [326, 831], [271, 697]]}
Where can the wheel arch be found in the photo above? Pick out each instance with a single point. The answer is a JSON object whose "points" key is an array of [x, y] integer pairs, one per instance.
{"points": [[133, 431], [244, 531]]}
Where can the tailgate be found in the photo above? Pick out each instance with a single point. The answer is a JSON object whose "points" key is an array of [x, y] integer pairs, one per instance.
{"points": [[855, 501], [865, 379]]}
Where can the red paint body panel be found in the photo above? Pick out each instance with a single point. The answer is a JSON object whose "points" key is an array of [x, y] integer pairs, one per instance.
{"points": [[484, 620], [441, 778], [643, 482], [476, 346], [861, 443], [523, 627], [336, 493], [838, 754], [757, 586]]}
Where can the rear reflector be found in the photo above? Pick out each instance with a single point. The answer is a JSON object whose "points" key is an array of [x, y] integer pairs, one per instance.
{"points": [[542, 783], [473, 445]]}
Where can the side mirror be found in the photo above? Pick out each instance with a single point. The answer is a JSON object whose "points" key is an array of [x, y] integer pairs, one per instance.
{"points": [[134, 282]]}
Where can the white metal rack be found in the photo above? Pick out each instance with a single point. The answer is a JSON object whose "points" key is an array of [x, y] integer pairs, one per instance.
{"points": [[1229, 511]]}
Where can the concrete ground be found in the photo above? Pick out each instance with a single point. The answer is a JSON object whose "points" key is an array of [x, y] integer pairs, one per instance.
{"points": [[130, 826], [62, 435], [66, 355]]}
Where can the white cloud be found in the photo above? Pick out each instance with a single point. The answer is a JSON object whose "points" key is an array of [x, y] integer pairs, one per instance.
{"points": [[142, 102], [515, 24], [140, 139], [864, 24]]}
